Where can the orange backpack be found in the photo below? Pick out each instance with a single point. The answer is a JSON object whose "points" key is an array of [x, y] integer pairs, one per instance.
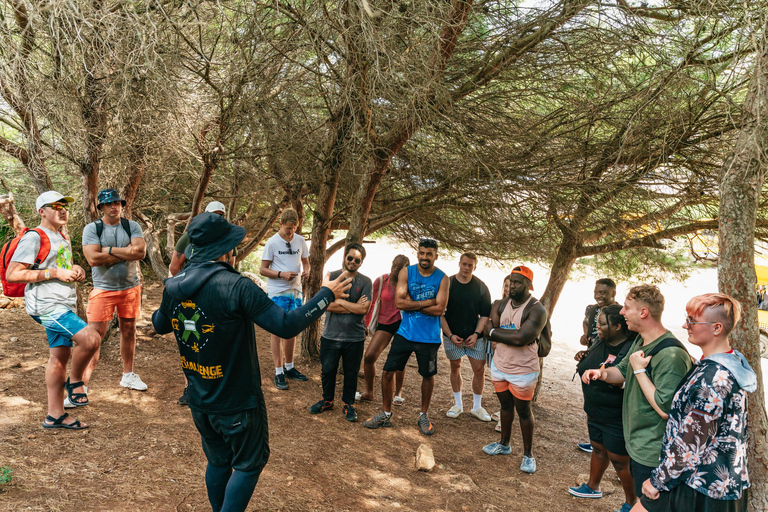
{"points": [[6, 253]]}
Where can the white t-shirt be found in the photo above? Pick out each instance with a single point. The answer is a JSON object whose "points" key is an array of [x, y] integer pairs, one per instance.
{"points": [[44, 297], [285, 257]]}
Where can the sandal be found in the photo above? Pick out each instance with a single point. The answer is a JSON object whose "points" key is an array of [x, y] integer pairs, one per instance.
{"points": [[398, 400], [75, 398], [59, 423]]}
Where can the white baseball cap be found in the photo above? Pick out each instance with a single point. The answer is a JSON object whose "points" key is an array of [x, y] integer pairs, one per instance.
{"points": [[49, 197], [215, 206]]}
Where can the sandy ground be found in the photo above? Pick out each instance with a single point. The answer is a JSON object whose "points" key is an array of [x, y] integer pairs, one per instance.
{"points": [[143, 453]]}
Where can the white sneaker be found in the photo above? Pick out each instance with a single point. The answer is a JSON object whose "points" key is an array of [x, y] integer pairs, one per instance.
{"points": [[528, 465], [133, 381], [454, 412], [480, 414]]}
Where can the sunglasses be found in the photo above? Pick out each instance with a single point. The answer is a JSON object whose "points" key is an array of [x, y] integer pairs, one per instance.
{"points": [[428, 242], [58, 206], [688, 323], [288, 245], [356, 260]]}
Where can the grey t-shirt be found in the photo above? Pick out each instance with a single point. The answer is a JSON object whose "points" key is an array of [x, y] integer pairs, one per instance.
{"points": [[44, 297], [348, 327], [122, 275]]}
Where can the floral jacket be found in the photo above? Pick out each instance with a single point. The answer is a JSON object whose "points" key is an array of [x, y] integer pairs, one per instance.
{"points": [[705, 443]]}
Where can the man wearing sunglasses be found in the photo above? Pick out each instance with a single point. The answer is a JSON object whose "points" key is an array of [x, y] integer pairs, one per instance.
{"points": [[421, 295], [344, 335], [113, 247], [651, 374], [51, 300], [285, 254]]}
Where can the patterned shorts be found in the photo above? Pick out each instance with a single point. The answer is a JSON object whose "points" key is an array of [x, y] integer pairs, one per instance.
{"points": [[453, 352], [288, 300]]}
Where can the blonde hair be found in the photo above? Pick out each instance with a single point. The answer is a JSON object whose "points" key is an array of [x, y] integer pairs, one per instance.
{"points": [[724, 306], [289, 216], [650, 296]]}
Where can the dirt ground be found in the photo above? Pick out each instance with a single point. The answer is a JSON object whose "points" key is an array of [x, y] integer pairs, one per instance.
{"points": [[142, 451]]}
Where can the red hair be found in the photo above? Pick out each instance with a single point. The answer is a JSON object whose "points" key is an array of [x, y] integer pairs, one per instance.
{"points": [[725, 306]]}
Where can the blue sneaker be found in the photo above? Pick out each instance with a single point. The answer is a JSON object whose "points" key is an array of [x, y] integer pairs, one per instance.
{"points": [[585, 447], [626, 507], [528, 465], [585, 491], [497, 449]]}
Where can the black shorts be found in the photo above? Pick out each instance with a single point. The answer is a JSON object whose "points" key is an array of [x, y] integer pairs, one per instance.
{"points": [[401, 350], [685, 498], [610, 435], [641, 473], [238, 440], [390, 328]]}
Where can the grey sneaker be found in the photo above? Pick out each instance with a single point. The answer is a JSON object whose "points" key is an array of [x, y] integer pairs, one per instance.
{"points": [[380, 420], [528, 465], [497, 449], [425, 426]]}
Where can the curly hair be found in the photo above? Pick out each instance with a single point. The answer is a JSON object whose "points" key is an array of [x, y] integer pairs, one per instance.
{"points": [[650, 296]]}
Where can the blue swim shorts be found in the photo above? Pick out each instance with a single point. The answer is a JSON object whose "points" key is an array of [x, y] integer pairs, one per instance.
{"points": [[60, 326], [288, 300]]}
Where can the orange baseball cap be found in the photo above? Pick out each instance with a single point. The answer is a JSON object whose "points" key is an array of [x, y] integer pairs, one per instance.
{"points": [[525, 272]]}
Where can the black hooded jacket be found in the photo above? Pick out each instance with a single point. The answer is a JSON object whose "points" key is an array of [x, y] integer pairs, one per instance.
{"points": [[211, 310]]}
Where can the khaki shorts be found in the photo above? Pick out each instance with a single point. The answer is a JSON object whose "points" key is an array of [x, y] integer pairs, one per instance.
{"points": [[102, 303]]}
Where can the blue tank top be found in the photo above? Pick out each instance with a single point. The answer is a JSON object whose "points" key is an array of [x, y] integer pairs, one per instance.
{"points": [[415, 325]]}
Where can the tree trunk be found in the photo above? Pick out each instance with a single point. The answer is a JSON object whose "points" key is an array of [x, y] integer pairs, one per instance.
{"points": [[170, 234], [153, 246], [9, 212], [558, 276], [135, 175], [740, 186]]}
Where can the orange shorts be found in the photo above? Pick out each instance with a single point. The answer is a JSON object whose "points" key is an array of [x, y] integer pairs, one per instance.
{"points": [[102, 304]]}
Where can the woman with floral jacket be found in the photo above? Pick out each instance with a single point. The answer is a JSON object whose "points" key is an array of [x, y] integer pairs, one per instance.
{"points": [[704, 454]]}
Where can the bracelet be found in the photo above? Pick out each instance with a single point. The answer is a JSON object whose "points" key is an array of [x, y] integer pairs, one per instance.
{"points": [[278, 274], [490, 333], [110, 249], [419, 304], [479, 335], [642, 370], [47, 274]]}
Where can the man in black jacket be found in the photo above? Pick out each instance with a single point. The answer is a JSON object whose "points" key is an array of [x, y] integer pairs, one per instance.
{"points": [[211, 310]]}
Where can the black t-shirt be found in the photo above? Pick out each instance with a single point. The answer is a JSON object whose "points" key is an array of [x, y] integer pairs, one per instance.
{"points": [[467, 303], [215, 333], [603, 401]]}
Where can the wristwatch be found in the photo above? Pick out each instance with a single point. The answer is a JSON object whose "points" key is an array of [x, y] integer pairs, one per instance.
{"points": [[479, 334]]}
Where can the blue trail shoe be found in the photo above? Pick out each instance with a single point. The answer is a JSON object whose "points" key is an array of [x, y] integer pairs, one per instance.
{"points": [[585, 491]]}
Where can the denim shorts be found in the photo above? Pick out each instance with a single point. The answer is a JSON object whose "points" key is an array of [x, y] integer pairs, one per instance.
{"points": [[60, 326]]}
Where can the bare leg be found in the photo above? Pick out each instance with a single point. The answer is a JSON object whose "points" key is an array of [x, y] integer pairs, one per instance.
{"points": [[478, 375], [427, 386], [277, 355], [55, 375], [288, 346], [87, 342], [399, 378], [527, 423], [638, 507], [127, 342], [378, 343], [456, 381], [507, 415], [387, 385], [621, 465], [598, 463], [101, 329]]}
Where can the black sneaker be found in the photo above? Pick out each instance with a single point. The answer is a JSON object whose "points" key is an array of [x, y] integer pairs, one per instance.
{"points": [[294, 374], [280, 382], [380, 420], [425, 426], [184, 399], [349, 413], [322, 405]]}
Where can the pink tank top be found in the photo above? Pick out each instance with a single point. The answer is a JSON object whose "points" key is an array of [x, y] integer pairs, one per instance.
{"points": [[515, 360]]}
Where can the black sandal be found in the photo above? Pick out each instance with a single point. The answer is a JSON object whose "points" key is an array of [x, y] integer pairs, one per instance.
{"points": [[59, 423], [75, 398]]}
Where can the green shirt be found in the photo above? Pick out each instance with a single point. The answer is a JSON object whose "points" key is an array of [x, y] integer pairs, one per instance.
{"points": [[643, 427]]}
